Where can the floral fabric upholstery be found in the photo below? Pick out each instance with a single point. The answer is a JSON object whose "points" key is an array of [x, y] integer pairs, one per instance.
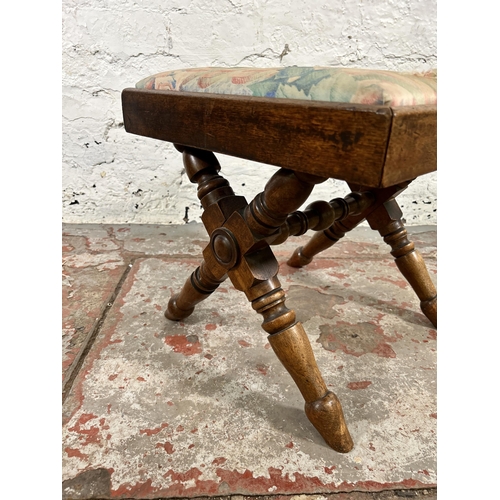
{"points": [[346, 85]]}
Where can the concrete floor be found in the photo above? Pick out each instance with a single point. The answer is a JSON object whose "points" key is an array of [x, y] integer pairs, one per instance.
{"points": [[202, 408]]}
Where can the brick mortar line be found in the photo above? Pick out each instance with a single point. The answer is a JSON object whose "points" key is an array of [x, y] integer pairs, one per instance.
{"points": [[92, 335]]}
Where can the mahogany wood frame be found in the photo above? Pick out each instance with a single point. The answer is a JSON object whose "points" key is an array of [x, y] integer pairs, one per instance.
{"points": [[377, 150], [374, 146]]}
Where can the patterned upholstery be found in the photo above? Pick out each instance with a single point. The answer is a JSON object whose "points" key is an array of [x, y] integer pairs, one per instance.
{"points": [[346, 85]]}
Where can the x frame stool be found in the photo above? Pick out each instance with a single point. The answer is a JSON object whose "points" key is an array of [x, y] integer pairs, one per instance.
{"points": [[377, 149]]}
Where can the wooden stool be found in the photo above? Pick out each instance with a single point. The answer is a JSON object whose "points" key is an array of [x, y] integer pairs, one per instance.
{"points": [[376, 130]]}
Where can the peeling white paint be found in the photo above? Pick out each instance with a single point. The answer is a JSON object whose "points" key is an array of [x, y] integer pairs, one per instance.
{"points": [[389, 420], [113, 177]]}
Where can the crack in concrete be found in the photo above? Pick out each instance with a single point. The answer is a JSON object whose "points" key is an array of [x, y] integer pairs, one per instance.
{"points": [[87, 344], [77, 364]]}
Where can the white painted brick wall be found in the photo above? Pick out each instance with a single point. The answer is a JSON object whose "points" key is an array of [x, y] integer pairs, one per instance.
{"points": [[110, 176]]}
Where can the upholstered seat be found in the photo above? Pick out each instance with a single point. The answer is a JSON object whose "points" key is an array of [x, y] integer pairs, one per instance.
{"points": [[346, 85], [374, 129]]}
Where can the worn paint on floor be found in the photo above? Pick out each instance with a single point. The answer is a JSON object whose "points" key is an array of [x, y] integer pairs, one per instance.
{"points": [[203, 407]]}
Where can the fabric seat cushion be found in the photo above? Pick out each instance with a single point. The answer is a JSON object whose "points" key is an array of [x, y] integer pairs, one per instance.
{"points": [[344, 85]]}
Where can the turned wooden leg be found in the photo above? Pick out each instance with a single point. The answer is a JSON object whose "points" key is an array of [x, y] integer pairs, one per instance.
{"points": [[256, 275], [216, 197], [199, 286], [387, 220], [322, 407], [351, 211], [321, 241], [240, 234], [291, 344]]}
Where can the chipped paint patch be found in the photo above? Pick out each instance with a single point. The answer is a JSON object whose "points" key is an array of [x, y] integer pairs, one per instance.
{"points": [[401, 283], [152, 432], [187, 345], [355, 339], [355, 386]]}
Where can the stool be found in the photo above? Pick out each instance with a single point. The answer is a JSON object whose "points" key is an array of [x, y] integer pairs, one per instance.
{"points": [[376, 130]]}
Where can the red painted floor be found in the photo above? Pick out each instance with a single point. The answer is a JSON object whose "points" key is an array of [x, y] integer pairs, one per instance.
{"points": [[202, 407]]}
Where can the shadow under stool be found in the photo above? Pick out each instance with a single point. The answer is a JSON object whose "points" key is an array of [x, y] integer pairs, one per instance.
{"points": [[375, 130]]}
